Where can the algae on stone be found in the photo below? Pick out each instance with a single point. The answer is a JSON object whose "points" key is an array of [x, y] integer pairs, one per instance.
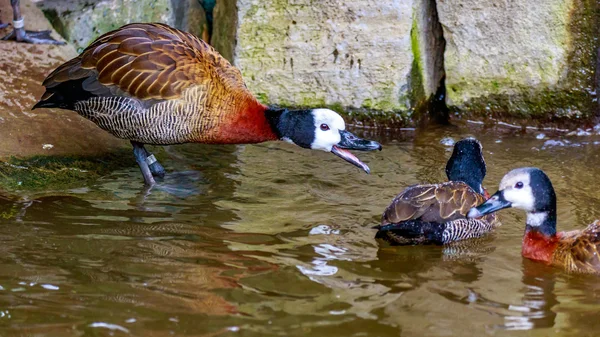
{"points": [[356, 55], [82, 21], [503, 61], [59, 172]]}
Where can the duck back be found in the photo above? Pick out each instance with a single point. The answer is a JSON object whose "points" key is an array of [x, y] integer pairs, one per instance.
{"points": [[434, 214], [154, 84]]}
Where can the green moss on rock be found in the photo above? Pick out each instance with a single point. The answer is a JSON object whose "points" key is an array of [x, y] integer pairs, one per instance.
{"points": [[52, 173], [564, 95], [80, 22]]}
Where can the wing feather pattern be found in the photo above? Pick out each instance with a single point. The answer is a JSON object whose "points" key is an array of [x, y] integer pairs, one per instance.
{"points": [[432, 203], [149, 61]]}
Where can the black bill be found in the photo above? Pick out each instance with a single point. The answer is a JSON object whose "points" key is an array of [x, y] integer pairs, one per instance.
{"points": [[495, 203], [351, 142]]}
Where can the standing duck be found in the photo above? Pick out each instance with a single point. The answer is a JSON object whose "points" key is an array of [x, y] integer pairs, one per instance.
{"points": [[436, 213], [19, 33], [154, 84], [530, 189]]}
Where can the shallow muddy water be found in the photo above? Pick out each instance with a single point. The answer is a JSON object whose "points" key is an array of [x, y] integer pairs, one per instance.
{"points": [[273, 240]]}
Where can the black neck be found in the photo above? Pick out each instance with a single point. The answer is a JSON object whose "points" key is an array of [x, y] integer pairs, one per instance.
{"points": [[548, 226], [274, 117], [295, 125], [466, 164], [474, 181], [545, 203]]}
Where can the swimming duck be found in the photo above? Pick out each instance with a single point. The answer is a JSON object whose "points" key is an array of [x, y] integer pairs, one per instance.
{"points": [[435, 213], [530, 189], [154, 84], [19, 33]]}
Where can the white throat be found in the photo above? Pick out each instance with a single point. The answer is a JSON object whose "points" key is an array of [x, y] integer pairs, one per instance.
{"points": [[536, 219]]}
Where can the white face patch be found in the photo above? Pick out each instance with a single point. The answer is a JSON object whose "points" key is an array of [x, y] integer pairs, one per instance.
{"points": [[328, 124], [521, 198], [536, 219]]}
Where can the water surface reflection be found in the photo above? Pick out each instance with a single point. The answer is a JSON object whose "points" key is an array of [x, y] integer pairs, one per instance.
{"points": [[269, 239]]}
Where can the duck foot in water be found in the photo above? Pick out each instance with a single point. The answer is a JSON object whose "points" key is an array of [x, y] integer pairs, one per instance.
{"points": [[149, 166]]}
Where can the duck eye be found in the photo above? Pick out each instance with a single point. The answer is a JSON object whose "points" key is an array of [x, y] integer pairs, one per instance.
{"points": [[324, 127], [519, 185]]}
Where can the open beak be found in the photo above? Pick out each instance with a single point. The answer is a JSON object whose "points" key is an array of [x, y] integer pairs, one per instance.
{"points": [[495, 203], [351, 142]]}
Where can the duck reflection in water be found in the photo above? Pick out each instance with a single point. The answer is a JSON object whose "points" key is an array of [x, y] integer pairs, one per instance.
{"points": [[535, 309]]}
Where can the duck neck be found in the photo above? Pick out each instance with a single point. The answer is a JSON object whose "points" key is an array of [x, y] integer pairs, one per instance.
{"points": [[467, 165], [275, 117], [543, 223], [248, 124], [540, 240], [471, 177], [474, 182], [292, 126]]}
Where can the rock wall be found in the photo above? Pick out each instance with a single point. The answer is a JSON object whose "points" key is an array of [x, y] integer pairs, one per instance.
{"points": [[82, 21], [521, 58], [346, 54], [386, 59], [505, 59]]}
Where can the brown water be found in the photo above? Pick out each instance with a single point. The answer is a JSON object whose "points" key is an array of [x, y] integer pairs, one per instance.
{"points": [[272, 240]]}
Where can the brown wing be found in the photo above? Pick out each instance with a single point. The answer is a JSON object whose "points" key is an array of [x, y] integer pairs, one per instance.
{"points": [[579, 251], [148, 61], [432, 203]]}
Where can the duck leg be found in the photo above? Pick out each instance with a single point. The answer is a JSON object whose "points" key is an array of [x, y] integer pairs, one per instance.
{"points": [[140, 156], [155, 167], [19, 33]]}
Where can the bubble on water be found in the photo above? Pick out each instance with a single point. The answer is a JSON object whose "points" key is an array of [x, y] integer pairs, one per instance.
{"points": [[337, 312], [559, 143], [447, 141], [323, 230], [540, 136], [579, 132], [50, 287], [108, 326]]}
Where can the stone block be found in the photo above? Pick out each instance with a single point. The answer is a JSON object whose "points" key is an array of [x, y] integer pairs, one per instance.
{"points": [[82, 21], [521, 58], [341, 54]]}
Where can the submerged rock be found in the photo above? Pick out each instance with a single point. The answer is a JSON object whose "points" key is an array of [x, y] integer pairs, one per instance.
{"points": [[521, 58]]}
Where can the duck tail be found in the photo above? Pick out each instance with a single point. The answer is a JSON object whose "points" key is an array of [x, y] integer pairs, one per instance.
{"points": [[53, 100], [64, 95]]}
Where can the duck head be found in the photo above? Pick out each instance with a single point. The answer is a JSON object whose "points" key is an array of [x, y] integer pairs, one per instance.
{"points": [[466, 164], [529, 189], [320, 129]]}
